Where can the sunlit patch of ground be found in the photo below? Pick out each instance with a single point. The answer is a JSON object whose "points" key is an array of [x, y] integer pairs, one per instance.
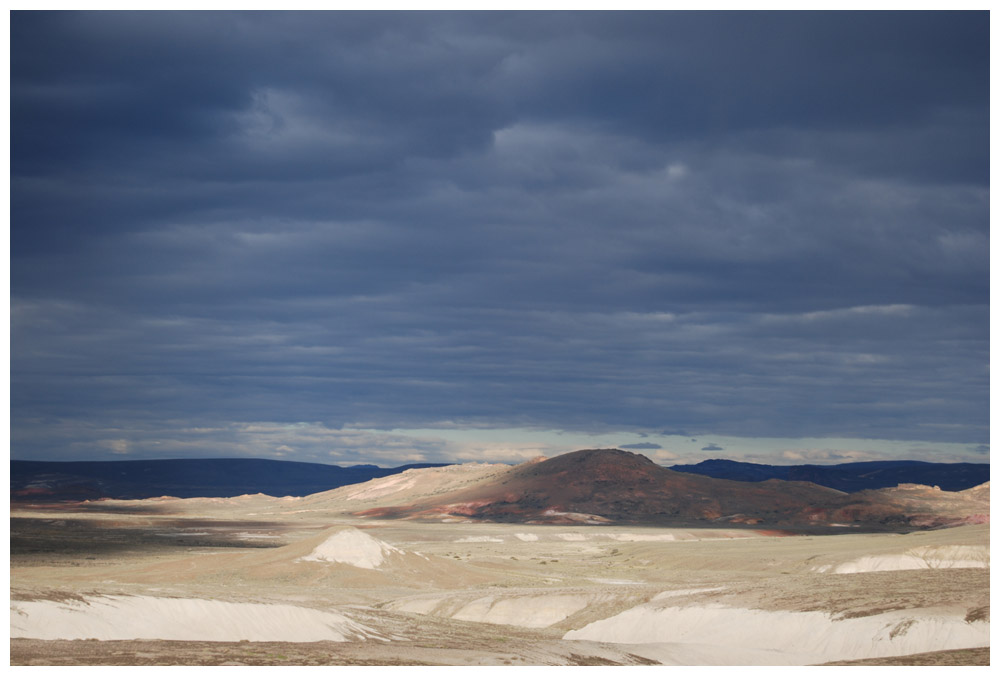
{"points": [[482, 593]]}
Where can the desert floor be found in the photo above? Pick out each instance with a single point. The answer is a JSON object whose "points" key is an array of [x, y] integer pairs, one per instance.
{"points": [[257, 581]]}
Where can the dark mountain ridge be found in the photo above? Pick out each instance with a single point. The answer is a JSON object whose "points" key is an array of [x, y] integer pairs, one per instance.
{"points": [[851, 476], [34, 481]]}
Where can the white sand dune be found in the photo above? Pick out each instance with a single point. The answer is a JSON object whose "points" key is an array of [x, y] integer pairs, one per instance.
{"points": [[116, 618], [918, 558], [789, 637], [353, 547], [480, 538]]}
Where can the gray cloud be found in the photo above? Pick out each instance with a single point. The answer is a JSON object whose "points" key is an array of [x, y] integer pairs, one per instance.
{"points": [[713, 447], [561, 220], [642, 446]]}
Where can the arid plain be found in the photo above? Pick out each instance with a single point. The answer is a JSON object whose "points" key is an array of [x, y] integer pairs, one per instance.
{"points": [[262, 580]]}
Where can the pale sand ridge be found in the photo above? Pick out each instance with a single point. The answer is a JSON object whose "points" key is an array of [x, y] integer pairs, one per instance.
{"points": [[110, 618], [808, 637], [919, 558]]}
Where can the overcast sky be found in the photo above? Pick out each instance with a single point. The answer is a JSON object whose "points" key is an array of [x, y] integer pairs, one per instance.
{"points": [[351, 237]]}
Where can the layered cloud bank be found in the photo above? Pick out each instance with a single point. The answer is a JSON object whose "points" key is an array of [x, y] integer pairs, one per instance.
{"points": [[743, 225]]}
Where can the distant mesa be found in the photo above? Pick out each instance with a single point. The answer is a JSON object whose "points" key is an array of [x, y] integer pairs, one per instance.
{"points": [[853, 476], [36, 481]]}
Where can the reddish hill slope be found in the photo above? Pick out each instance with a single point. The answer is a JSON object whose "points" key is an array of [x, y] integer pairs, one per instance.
{"points": [[610, 485]]}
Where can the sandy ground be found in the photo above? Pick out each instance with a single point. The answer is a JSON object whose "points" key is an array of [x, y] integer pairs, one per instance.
{"points": [[267, 581]]}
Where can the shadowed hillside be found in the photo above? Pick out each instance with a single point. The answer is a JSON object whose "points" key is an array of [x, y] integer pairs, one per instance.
{"points": [[851, 476], [611, 485]]}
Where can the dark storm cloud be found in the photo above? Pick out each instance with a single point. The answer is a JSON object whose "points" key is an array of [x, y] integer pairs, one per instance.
{"points": [[746, 224], [675, 433]]}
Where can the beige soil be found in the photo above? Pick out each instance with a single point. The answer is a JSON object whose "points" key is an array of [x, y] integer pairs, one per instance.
{"points": [[525, 586]]}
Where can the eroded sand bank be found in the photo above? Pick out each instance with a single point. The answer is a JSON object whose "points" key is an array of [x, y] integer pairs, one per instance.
{"points": [[110, 618], [790, 637]]}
